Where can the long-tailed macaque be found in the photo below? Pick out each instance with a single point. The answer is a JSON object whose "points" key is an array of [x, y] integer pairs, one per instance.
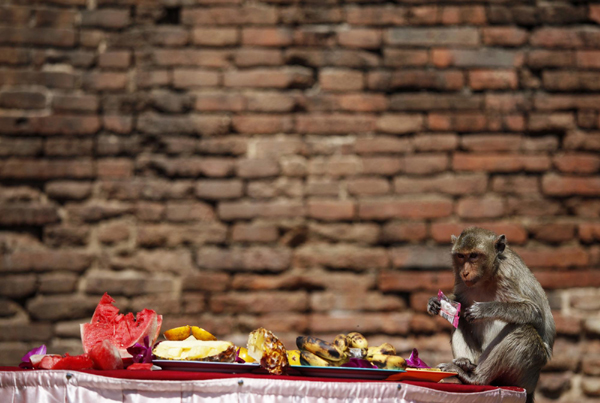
{"points": [[506, 331]]}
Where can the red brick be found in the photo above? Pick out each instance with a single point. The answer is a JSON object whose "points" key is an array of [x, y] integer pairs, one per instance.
{"points": [[254, 14], [475, 122], [21, 99], [360, 38], [263, 233], [408, 208], [500, 162], [471, 15], [447, 36], [218, 189], [410, 281], [195, 78], [115, 59], [398, 231], [405, 57], [418, 79], [453, 184], [219, 101], [368, 186], [480, 208], [485, 57], [189, 211], [28, 214], [552, 232], [215, 36], [247, 210], [334, 123], [424, 101], [550, 37], [248, 57], [269, 78], [504, 36], [376, 166], [257, 258], [515, 184], [168, 35], [587, 59], [114, 168], [362, 102], [68, 147], [38, 36], [581, 163], [550, 58], [270, 102], [561, 257], [114, 233], [191, 57], [341, 256], [515, 232], [314, 35], [423, 15], [106, 18], [487, 143], [382, 144], [277, 37], [341, 80], [14, 56], [264, 124], [557, 185], [399, 123], [589, 232], [46, 261], [257, 168], [317, 15], [51, 79], [46, 169], [493, 79], [424, 164], [259, 302], [331, 210], [75, 103], [376, 15], [551, 122], [105, 81], [68, 190], [19, 147], [117, 123], [153, 78], [561, 80]]}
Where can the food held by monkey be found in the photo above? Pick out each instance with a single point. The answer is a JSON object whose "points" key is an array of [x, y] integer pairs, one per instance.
{"points": [[506, 330]]}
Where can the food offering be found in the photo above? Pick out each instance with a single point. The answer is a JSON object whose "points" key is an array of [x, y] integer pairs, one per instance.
{"points": [[348, 350], [268, 350]]}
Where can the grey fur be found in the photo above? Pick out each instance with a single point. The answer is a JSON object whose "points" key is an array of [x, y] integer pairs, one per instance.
{"points": [[506, 330]]}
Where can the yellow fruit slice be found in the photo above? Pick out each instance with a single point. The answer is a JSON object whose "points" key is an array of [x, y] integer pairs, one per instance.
{"points": [[178, 333], [294, 357], [243, 354], [201, 334]]}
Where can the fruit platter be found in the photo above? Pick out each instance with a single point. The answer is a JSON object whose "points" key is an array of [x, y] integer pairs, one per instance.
{"points": [[116, 341]]}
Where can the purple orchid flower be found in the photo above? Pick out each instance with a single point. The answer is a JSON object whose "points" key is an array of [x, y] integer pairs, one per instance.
{"points": [[414, 361], [358, 363], [26, 362], [141, 353]]}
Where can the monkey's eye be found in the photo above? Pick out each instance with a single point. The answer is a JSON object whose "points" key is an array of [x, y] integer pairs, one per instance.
{"points": [[460, 256], [473, 256]]}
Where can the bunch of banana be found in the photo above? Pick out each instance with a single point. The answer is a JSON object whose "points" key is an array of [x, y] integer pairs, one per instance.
{"points": [[318, 352]]}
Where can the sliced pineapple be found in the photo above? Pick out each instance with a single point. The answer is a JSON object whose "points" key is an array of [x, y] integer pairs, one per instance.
{"points": [[195, 350]]}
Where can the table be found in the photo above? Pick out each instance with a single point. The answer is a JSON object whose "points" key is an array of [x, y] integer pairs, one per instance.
{"points": [[59, 386]]}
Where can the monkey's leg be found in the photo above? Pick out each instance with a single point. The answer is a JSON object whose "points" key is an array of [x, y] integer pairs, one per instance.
{"points": [[464, 356]]}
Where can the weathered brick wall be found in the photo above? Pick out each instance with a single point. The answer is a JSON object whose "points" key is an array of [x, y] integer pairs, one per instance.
{"points": [[295, 165]]}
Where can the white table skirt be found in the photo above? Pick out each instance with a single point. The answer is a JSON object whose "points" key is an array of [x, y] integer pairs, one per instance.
{"points": [[72, 386]]}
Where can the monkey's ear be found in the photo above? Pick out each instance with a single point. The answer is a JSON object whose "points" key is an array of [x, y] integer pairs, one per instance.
{"points": [[500, 243], [453, 239]]}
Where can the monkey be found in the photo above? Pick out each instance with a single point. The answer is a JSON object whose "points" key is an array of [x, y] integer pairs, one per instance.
{"points": [[506, 331]]}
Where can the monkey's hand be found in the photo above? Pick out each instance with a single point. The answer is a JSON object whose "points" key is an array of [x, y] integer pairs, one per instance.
{"points": [[433, 306], [464, 363], [475, 312]]}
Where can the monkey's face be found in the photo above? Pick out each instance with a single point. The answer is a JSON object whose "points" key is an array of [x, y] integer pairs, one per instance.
{"points": [[469, 266]]}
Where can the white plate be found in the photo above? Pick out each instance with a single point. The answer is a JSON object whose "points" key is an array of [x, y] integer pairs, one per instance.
{"points": [[345, 372]]}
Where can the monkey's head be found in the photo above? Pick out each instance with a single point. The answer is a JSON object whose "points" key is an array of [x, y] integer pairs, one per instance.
{"points": [[475, 254]]}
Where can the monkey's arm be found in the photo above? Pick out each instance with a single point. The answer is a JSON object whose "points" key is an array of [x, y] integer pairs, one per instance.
{"points": [[518, 312]]}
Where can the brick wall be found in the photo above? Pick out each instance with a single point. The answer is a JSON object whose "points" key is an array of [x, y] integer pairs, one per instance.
{"points": [[298, 166]]}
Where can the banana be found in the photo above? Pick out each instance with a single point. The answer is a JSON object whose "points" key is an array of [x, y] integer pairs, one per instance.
{"points": [[383, 361], [293, 357], [308, 358], [385, 349], [357, 340], [341, 343], [319, 347]]}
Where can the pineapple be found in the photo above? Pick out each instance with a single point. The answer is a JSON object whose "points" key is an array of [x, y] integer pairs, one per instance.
{"points": [[195, 350]]}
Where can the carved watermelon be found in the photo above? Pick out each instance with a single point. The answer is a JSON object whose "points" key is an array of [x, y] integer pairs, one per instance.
{"points": [[122, 331]]}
